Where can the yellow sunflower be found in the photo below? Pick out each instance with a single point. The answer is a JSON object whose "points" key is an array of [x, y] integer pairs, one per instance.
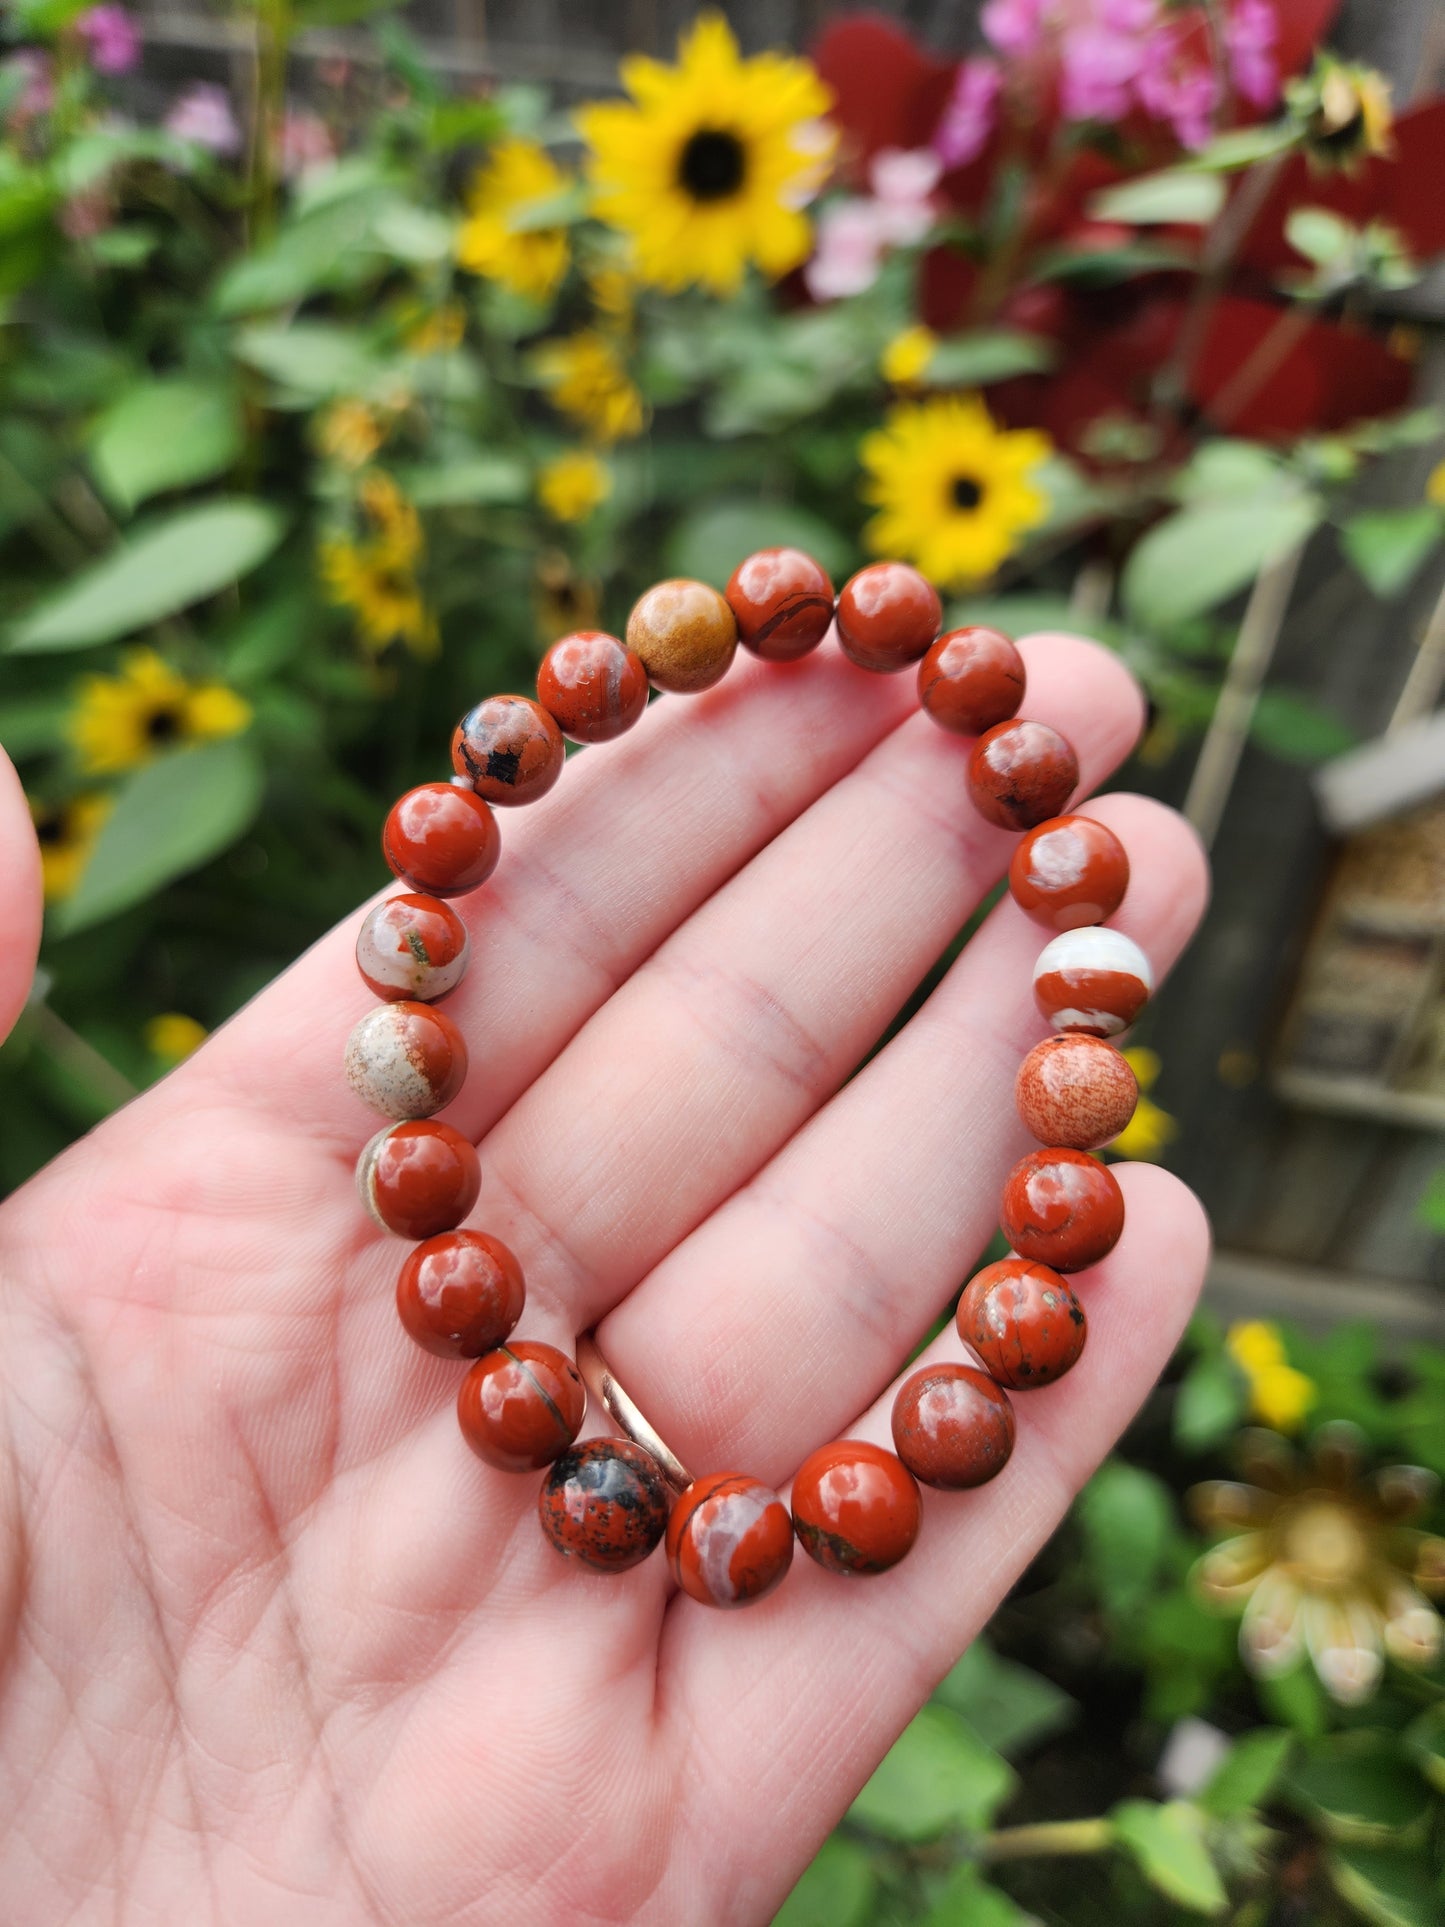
{"points": [[496, 239], [573, 485], [121, 721], [375, 576], [350, 433], [710, 164], [953, 491], [1279, 1395], [66, 833], [173, 1036], [588, 381], [1151, 1127], [904, 362]]}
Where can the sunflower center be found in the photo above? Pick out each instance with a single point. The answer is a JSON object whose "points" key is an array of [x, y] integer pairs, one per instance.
{"points": [[1325, 1544], [163, 725], [712, 165], [50, 828], [965, 493]]}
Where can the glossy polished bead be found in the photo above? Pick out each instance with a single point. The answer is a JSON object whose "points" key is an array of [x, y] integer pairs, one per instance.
{"points": [[521, 1406], [593, 686], [509, 749], [1062, 1208], [605, 1504], [441, 839], [1077, 1091], [1095, 981], [970, 680], [685, 634], [1020, 773], [729, 1540], [888, 614], [412, 947], [1024, 1322], [1069, 871], [406, 1060], [856, 1508], [461, 1294], [419, 1177], [952, 1426], [782, 601]]}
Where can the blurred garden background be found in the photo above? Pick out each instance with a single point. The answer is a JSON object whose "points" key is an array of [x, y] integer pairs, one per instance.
{"points": [[351, 353]]}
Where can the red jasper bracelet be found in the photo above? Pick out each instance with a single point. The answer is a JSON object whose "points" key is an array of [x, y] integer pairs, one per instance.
{"points": [[855, 1507]]}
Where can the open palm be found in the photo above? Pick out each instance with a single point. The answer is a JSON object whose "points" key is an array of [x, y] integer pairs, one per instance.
{"points": [[276, 1645]]}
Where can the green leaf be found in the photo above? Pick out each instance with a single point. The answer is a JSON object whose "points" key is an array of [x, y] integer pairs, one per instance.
{"points": [[1291, 726], [171, 816], [1127, 1518], [1176, 194], [1008, 1706], [1387, 546], [315, 358], [168, 565], [1247, 1773], [1225, 469], [836, 1891], [710, 542], [1298, 1699], [1210, 1403], [1168, 1844], [1206, 553], [1425, 1737], [164, 434], [1244, 146], [968, 1901], [938, 1775], [1319, 234], [1361, 1788], [1430, 1211], [473, 479], [33, 724], [1386, 1886], [974, 360]]}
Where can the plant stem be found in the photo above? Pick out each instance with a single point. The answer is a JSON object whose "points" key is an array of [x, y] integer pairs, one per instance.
{"points": [[1047, 1838], [80, 1059]]}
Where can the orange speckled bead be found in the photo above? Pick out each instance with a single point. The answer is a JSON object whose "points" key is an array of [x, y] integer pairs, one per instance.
{"points": [[441, 839], [461, 1294], [419, 1177], [1024, 1322], [593, 686], [1062, 1208], [856, 1508], [406, 1059], [952, 1426], [685, 634], [521, 1406], [729, 1540], [970, 680], [605, 1504], [412, 947], [1075, 1090], [783, 603], [888, 614], [509, 749], [1069, 871], [1020, 773]]}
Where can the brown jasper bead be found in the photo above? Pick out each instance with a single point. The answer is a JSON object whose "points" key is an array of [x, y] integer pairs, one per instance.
{"points": [[783, 603], [1062, 1208], [509, 749], [1077, 1091], [461, 1294], [729, 1540], [1024, 1322], [1069, 871], [605, 1504], [593, 686], [1020, 773], [441, 839], [685, 634], [412, 947], [970, 680], [419, 1177], [521, 1406], [888, 614], [856, 1508], [406, 1060], [953, 1427]]}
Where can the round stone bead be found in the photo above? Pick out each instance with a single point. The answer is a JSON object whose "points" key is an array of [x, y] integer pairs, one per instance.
{"points": [[1075, 1090], [856, 1508], [729, 1540], [461, 1294], [412, 947], [441, 839], [1062, 1208], [1020, 773], [782, 601], [419, 1177], [593, 686], [406, 1060], [971, 680], [952, 1426], [521, 1406], [1024, 1322], [888, 614], [685, 634], [605, 1504], [1095, 981], [509, 749], [1069, 871]]}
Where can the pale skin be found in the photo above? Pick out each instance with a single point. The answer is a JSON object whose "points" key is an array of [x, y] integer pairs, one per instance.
{"points": [[276, 1646]]}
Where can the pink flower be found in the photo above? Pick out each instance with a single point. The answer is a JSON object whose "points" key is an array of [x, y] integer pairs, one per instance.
{"points": [[1250, 31], [849, 252], [305, 143], [903, 180], [1100, 68], [1183, 92], [1014, 26], [202, 114], [962, 133], [112, 38]]}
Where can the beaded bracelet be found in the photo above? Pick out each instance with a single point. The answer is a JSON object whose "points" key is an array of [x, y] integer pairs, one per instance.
{"points": [[855, 1507]]}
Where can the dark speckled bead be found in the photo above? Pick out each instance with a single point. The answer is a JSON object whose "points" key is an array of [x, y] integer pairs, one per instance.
{"points": [[856, 1508], [605, 1504], [509, 749], [1024, 1322], [952, 1426]]}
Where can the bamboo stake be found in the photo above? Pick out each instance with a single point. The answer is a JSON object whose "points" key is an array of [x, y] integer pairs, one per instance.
{"points": [[1427, 672]]}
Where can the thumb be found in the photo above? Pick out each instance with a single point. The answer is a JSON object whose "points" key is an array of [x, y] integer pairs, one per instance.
{"points": [[20, 903]]}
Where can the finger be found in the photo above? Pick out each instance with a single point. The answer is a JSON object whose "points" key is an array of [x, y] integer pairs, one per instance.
{"points": [[20, 894]]}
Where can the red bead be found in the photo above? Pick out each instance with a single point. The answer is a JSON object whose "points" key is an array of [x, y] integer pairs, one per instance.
{"points": [[509, 749], [953, 1426], [1020, 773], [419, 1178], [412, 947], [856, 1508], [1069, 871], [406, 1059], [888, 614], [1075, 1090], [1095, 981], [1062, 1208], [461, 1294], [441, 839], [783, 602], [593, 686], [970, 680], [605, 1504], [521, 1406], [729, 1540], [1024, 1322]]}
